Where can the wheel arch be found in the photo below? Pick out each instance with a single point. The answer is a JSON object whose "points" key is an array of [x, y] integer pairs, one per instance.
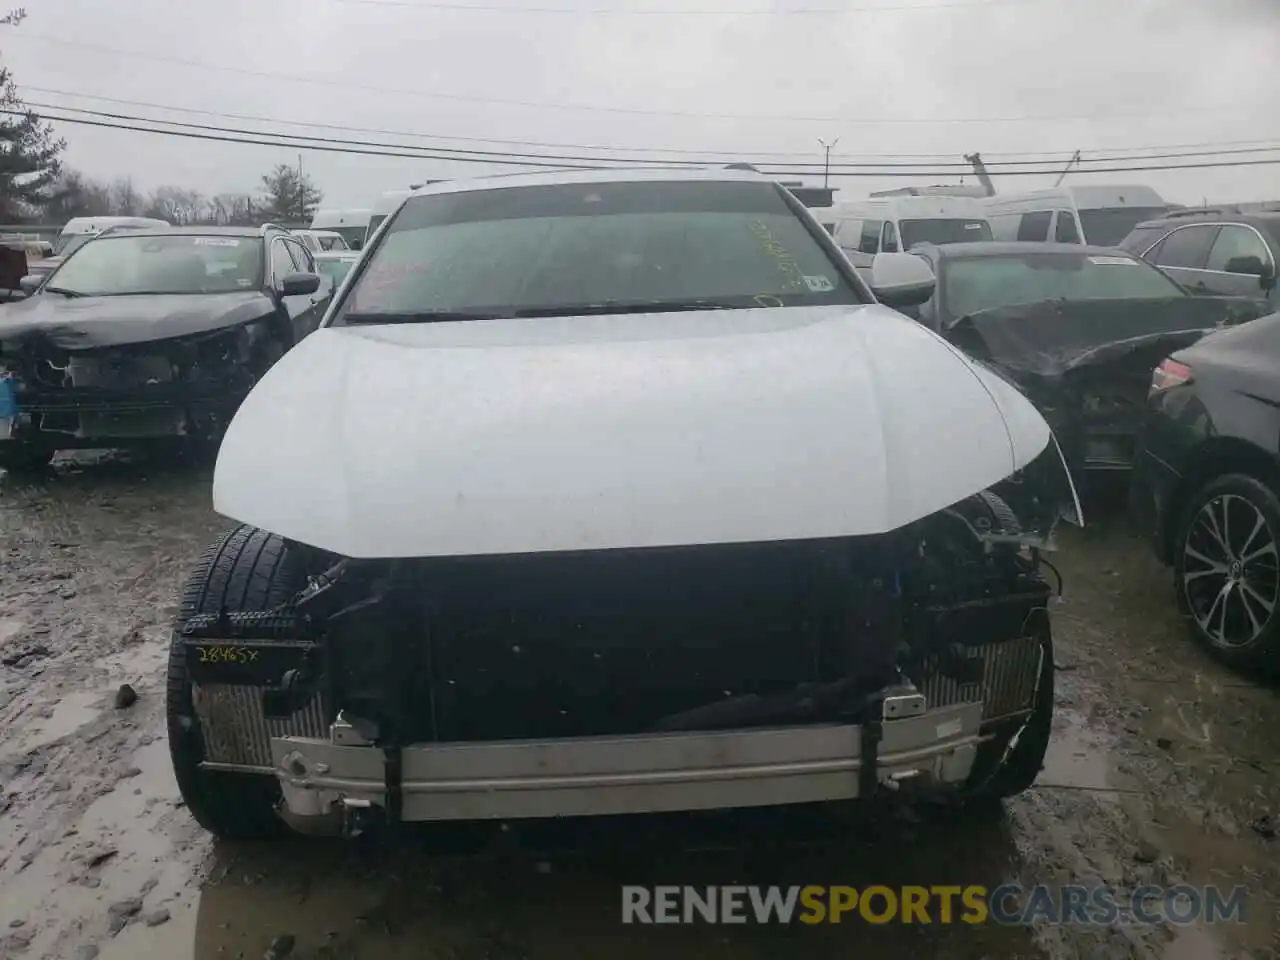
{"points": [[1216, 457]]}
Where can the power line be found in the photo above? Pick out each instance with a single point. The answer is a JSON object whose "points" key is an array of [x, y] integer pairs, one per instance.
{"points": [[254, 138], [1052, 156], [601, 108], [429, 7], [454, 153], [489, 140]]}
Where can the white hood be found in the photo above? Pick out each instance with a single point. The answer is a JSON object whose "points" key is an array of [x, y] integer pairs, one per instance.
{"points": [[585, 433]]}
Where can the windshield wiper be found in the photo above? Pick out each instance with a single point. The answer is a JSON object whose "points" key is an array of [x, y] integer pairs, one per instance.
{"points": [[63, 291], [622, 306], [422, 316]]}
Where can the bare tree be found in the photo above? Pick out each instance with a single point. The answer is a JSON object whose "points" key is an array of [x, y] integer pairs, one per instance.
{"points": [[126, 201]]}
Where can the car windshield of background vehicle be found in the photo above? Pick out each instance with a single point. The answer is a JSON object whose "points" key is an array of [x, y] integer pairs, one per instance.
{"points": [[1106, 227], [984, 283], [70, 243], [541, 248], [115, 266], [336, 270], [942, 231], [352, 235]]}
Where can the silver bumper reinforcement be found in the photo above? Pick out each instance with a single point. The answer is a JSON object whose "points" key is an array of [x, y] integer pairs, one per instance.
{"points": [[590, 776]]}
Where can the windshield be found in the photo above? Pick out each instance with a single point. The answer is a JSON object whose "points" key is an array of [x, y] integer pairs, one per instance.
{"points": [[69, 243], [984, 283], [332, 243], [1106, 227], [374, 222], [943, 231], [116, 265], [352, 236], [334, 268], [567, 246]]}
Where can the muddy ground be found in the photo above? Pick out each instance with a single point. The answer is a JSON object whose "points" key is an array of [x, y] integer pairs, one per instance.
{"points": [[1163, 770]]}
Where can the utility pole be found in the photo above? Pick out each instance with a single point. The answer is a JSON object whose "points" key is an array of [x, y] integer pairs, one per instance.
{"points": [[302, 213], [1075, 159], [826, 163]]}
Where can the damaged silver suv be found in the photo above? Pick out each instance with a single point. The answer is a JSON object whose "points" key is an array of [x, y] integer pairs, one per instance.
{"points": [[616, 492]]}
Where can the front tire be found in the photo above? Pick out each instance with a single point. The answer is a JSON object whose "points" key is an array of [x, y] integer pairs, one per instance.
{"points": [[19, 457], [998, 775], [244, 570], [1227, 570]]}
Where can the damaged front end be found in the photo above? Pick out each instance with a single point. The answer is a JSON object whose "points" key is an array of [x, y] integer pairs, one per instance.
{"points": [[639, 680], [1086, 364], [183, 387]]}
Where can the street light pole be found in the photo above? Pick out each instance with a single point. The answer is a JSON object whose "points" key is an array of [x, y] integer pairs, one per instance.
{"points": [[826, 163]]}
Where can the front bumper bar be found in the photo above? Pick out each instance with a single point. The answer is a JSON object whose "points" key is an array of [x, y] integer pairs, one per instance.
{"points": [[625, 775]]}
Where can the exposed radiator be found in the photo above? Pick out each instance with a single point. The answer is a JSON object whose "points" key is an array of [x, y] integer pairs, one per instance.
{"points": [[234, 729], [1008, 684]]}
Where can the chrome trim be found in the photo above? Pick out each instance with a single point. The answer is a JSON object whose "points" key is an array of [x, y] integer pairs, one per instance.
{"points": [[1211, 223]]}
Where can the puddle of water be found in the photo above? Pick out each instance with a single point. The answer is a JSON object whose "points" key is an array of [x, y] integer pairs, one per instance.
{"points": [[138, 664], [153, 858], [1079, 758], [72, 712]]}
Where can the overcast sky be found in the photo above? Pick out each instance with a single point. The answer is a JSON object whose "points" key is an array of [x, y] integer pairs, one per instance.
{"points": [[744, 76]]}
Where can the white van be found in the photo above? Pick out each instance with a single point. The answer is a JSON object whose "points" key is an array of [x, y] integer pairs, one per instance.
{"points": [[385, 206], [864, 228], [78, 230], [1099, 214], [351, 224]]}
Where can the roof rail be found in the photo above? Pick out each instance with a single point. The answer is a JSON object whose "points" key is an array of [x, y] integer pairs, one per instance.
{"points": [[1222, 208]]}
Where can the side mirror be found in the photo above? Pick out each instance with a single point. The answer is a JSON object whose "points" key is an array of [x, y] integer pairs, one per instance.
{"points": [[901, 279], [298, 284], [1267, 278], [30, 283]]}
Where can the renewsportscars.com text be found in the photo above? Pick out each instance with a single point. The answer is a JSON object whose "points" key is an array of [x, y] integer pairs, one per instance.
{"points": [[1011, 904]]}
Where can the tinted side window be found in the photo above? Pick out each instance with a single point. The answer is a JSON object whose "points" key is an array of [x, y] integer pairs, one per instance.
{"points": [[1034, 226], [281, 262], [1187, 248], [1066, 230], [1141, 239], [1235, 242], [870, 240], [301, 257], [848, 232], [890, 242]]}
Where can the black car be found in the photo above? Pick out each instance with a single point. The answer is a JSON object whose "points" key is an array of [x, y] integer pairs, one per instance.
{"points": [[1077, 328], [1225, 250], [145, 335], [1206, 487]]}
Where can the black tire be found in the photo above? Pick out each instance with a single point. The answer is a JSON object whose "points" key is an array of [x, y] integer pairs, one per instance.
{"points": [[1248, 498], [246, 570], [19, 457], [994, 781]]}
